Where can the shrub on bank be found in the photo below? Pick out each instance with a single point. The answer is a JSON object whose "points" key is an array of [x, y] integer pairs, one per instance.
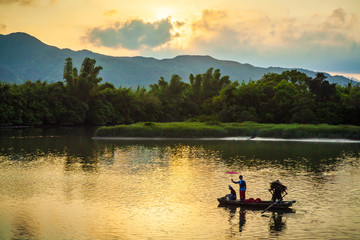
{"points": [[217, 129]]}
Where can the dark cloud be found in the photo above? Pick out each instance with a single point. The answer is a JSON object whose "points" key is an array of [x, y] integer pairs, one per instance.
{"points": [[133, 34]]}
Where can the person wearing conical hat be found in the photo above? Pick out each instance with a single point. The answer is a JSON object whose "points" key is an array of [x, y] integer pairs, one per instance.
{"points": [[277, 189]]}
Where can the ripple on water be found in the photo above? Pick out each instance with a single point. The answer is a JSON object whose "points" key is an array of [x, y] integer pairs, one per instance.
{"points": [[162, 190]]}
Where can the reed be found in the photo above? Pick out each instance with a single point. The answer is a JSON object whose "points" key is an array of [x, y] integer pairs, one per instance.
{"points": [[217, 129]]}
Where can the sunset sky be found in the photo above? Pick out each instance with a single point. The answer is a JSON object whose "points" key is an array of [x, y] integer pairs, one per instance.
{"points": [[321, 35]]}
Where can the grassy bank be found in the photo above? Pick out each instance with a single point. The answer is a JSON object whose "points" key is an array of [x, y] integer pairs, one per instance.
{"points": [[197, 129]]}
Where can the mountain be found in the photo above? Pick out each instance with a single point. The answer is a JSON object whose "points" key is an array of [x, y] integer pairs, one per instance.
{"points": [[23, 57]]}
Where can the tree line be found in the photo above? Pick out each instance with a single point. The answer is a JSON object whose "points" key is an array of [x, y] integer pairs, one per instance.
{"points": [[289, 97]]}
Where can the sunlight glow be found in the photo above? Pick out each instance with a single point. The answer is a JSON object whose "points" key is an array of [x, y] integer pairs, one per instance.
{"points": [[353, 76], [164, 12]]}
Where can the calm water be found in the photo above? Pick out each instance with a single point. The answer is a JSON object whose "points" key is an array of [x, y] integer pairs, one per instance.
{"points": [[60, 184]]}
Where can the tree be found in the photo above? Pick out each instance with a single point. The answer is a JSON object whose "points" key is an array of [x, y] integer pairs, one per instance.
{"points": [[70, 73], [284, 97], [321, 88], [11, 105], [86, 84], [289, 97]]}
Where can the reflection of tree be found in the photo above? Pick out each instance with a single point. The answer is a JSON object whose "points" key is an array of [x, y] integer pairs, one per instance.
{"points": [[75, 144], [276, 223], [311, 157], [88, 164]]}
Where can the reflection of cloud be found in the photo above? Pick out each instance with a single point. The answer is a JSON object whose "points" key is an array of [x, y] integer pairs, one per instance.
{"points": [[133, 34]]}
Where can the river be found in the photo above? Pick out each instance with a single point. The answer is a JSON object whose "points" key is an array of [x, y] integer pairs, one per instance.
{"points": [[61, 184]]}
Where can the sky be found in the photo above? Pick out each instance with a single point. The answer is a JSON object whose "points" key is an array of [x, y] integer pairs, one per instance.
{"points": [[320, 35]]}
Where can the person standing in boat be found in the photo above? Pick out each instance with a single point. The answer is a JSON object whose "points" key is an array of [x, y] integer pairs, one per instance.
{"points": [[232, 195], [242, 185], [277, 189]]}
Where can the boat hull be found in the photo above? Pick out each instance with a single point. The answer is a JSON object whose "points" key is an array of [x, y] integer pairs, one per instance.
{"points": [[261, 205]]}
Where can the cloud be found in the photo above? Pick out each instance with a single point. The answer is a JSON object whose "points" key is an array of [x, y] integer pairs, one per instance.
{"points": [[339, 19], [2, 27], [134, 34], [110, 13], [214, 29], [21, 2], [314, 42], [319, 42], [210, 20], [25, 2], [264, 32]]}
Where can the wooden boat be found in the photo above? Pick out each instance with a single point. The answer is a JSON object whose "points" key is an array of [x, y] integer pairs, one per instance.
{"points": [[259, 205]]}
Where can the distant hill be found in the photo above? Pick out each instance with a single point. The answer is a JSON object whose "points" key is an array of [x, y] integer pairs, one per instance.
{"points": [[23, 57]]}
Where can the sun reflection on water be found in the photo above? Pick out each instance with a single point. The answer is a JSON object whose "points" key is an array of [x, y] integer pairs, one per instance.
{"points": [[63, 188]]}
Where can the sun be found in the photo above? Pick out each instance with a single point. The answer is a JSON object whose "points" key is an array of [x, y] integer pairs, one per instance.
{"points": [[164, 12]]}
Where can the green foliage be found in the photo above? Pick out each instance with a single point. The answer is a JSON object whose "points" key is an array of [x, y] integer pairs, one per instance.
{"points": [[289, 97], [149, 124], [217, 129]]}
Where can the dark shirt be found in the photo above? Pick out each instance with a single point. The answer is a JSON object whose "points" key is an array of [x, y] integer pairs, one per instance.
{"points": [[276, 195], [232, 195]]}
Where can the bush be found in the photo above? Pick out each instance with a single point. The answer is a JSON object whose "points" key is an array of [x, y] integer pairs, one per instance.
{"points": [[216, 129], [149, 124]]}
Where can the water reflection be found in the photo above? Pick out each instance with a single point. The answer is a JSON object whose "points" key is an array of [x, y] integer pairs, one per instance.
{"points": [[73, 187], [29, 144], [277, 223], [76, 144], [310, 157], [242, 219], [276, 220], [24, 226]]}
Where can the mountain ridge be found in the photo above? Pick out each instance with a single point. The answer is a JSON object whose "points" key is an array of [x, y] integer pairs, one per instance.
{"points": [[24, 57]]}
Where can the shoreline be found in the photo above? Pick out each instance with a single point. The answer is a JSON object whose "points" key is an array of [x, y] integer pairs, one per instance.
{"points": [[254, 139], [232, 131]]}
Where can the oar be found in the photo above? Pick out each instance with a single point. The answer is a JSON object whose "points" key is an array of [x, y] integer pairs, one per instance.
{"points": [[273, 203]]}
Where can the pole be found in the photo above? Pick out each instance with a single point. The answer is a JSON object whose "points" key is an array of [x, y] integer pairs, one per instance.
{"points": [[273, 204]]}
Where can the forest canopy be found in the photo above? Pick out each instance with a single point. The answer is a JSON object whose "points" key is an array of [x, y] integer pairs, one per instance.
{"points": [[81, 99]]}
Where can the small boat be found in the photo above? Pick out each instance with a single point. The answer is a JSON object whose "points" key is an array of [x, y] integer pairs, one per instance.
{"points": [[256, 205]]}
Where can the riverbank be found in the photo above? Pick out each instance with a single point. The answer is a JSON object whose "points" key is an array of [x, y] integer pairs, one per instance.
{"points": [[249, 130], [256, 139]]}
